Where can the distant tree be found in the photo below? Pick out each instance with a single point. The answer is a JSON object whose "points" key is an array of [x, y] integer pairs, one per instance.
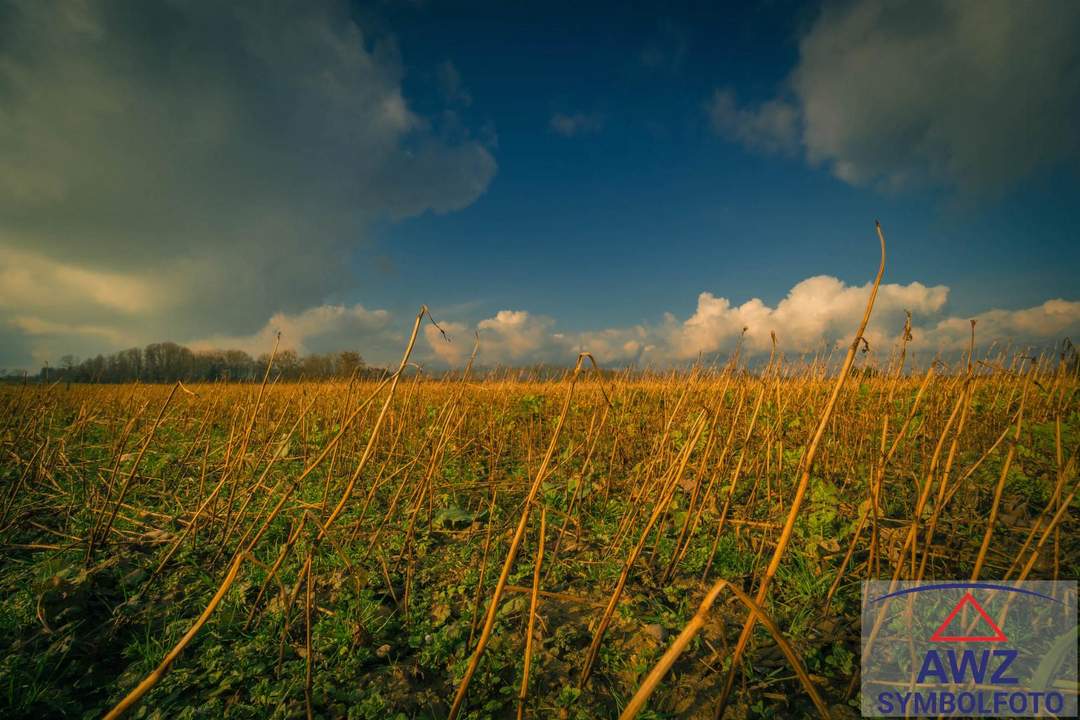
{"points": [[286, 364], [239, 365], [317, 367], [126, 365], [92, 369], [168, 362], [208, 365], [348, 362]]}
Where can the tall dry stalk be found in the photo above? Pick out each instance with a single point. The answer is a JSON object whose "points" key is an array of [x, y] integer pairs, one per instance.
{"points": [[652, 680], [530, 627], [1000, 487], [804, 482], [515, 543]]}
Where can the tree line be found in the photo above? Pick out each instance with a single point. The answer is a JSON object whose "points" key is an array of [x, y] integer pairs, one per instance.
{"points": [[169, 362]]}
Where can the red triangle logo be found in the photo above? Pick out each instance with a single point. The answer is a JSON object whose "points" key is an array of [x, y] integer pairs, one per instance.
{"points": [[940, 636]]}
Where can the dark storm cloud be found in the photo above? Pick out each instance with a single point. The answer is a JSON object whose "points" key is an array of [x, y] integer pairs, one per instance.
{"points": [[227, 157]]}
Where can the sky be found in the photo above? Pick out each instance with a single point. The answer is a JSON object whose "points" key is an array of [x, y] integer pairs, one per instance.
{"points": [[642, 181]]}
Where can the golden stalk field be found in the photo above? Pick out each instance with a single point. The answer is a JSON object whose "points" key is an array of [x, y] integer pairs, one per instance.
{"points": [[590, 546]]}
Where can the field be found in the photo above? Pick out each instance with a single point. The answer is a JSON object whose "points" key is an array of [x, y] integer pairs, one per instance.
{"points": [[498, 546]]}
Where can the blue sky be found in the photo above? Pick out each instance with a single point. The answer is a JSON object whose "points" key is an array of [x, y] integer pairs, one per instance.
{"points": [[588, 172], [634, 218]]}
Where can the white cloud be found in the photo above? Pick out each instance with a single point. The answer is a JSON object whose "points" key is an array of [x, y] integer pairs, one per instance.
{"points": [[571, 125], [818, 313], [511, 337], [816, 310], [454, 347], [969, 94], [1053, 320], [326, 328]]}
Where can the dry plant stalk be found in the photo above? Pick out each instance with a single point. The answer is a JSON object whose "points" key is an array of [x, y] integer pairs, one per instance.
{"points": [[308, 662], [483, 569], [1009, 455], [523, 692], [804, 482], [652, 680]]}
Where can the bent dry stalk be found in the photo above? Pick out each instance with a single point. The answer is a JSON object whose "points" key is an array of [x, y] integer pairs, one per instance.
{"points": [[652, 680], [534, 597]]}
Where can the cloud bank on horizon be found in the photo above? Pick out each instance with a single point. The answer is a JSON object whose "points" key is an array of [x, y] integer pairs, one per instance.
{"points": [[204, 173], [818, 313]]}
